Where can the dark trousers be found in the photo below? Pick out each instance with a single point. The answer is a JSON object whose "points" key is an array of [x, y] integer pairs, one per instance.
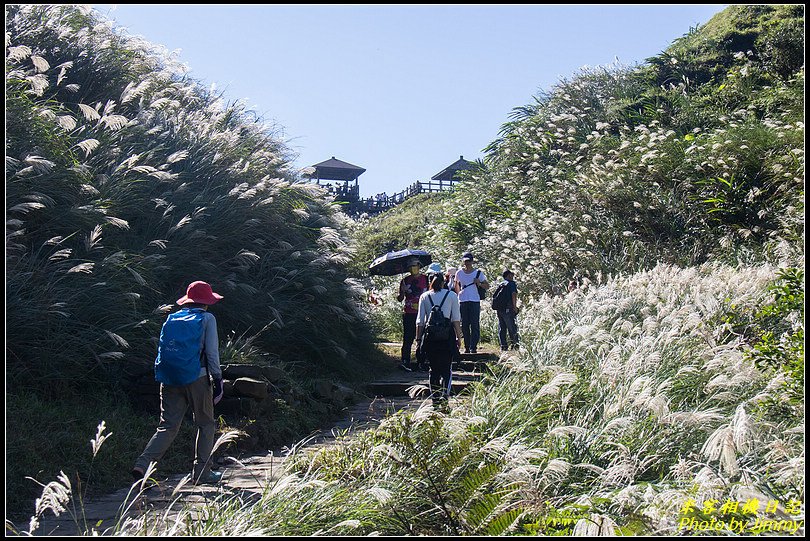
{"points": [[440, 359], [408, 336], [174, 401], [507, 324], [471, 324]]}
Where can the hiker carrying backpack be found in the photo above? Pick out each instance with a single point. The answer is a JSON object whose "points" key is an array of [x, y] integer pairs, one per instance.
{"points": [[188, 355], [438, 331], [504, 302], [438, 328], [471, 286]]}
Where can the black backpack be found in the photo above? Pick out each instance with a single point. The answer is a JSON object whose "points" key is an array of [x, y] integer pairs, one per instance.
{"points": [[482, 293], [438, 327], [500, 299]]}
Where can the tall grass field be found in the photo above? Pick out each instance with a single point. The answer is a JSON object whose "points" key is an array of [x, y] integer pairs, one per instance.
{"points": [[661, 394]]}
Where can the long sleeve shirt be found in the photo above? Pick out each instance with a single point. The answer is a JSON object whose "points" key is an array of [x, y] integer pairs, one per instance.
{"points": [[210, 345]]}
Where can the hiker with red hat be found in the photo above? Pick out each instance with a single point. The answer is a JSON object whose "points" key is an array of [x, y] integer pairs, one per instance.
{"points": [[188, 355]]}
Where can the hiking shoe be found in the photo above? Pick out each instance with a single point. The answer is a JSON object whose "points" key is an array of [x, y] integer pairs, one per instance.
{"points": [[210, 478], [405, 367], [442, 405]]}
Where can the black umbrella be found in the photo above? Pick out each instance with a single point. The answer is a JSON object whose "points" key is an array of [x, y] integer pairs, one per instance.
{"points": [[394, 263]]}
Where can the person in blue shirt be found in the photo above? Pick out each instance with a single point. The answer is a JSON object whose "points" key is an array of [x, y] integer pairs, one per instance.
{"points": [[507, 323]]}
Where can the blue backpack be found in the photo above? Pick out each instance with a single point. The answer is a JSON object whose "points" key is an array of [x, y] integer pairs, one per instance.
{"points": [[179, 357]]}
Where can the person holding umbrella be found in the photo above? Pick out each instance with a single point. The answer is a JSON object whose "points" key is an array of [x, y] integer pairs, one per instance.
{"points": [[410, 289]]}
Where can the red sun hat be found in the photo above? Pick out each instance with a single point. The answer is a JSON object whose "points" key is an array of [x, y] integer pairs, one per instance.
{"points": [[201, 293]]}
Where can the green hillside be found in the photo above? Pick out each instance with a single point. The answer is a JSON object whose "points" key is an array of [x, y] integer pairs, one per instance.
{"points": [[126, 181], [671, 192], [694, 156]]}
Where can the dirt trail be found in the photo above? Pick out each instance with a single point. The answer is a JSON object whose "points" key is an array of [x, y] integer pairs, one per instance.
{"points": [[248, 477]]}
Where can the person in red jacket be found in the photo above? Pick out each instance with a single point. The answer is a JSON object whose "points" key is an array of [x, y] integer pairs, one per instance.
{"points": [[410, 289]]}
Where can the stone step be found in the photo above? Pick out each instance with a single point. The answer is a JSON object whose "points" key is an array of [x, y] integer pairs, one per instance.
{"points": [[401, 388], [479, 357], [472, 366]]}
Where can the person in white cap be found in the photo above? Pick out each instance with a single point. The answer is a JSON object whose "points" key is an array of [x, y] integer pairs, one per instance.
{"points": [[468, 282]]}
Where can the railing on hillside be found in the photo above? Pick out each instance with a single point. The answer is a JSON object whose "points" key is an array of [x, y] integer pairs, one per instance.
{"points": [[381, 202], [343, 193]]}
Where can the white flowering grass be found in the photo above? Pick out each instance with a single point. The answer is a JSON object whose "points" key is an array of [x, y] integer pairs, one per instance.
{"points": [[627, 400], [660, 398], [126, 181]]}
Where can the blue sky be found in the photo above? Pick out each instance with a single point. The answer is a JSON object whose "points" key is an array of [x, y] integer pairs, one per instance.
{"points": [[402, 91]]}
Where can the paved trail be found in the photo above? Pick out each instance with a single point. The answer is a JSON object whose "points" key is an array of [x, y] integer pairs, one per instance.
{"points": [[249, 477]]}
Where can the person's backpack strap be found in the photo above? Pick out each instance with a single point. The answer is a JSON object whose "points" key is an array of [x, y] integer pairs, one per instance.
{"points": [[482, 293], [203, 360], [477, 274], [473, 282], [432, 304]]}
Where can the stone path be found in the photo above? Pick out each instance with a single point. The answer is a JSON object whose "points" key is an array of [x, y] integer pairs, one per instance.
{"points": [[248, 477]]}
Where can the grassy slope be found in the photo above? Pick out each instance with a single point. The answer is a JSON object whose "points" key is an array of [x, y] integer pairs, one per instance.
{"points": [[641, 391], [125, 181], [693, 156]]}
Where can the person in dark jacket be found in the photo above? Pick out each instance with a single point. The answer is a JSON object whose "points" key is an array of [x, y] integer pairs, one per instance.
{"points": [[507, 322]]}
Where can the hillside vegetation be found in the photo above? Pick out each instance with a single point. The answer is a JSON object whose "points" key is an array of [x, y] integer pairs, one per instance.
{"points": [[626, 404], [672, 192], [126, 181], [694, 156]]}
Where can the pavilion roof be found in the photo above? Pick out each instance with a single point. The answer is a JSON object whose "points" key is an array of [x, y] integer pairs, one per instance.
{"points": [[334, 169], [450, 171]]}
